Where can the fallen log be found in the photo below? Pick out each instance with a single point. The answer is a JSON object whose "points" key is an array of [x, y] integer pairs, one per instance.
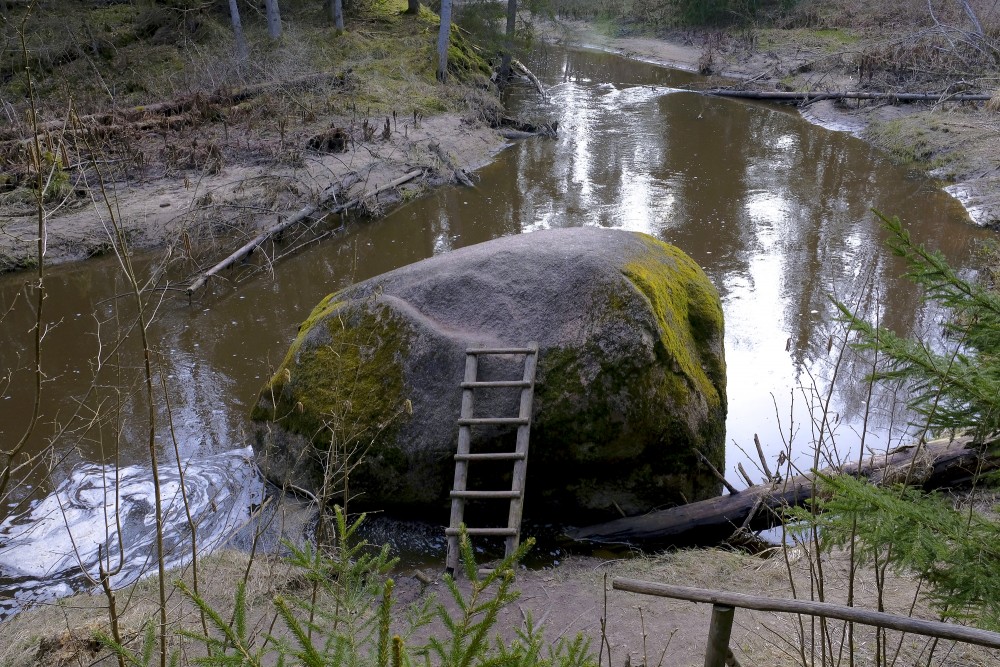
{"points": [[937, 464], [810, 97], [247, 249], [515, 128]]}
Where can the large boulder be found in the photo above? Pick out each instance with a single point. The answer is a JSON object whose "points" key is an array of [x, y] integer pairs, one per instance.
{"points": [[631, 375]]}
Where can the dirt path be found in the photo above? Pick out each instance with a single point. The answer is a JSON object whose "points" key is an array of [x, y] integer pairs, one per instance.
{"points": [[563, 600]]}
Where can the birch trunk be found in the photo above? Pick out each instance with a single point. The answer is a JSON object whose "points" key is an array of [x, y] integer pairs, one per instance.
{"points": [[971, 13], [444, 38], [273, 19], [337, 14], [242, 51]]}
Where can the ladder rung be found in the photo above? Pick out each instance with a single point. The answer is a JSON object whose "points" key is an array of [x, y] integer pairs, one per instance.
{"points": [[490, 456], [496, 383], [503, 350], [501, 532], [482, 421], [485, 494]]}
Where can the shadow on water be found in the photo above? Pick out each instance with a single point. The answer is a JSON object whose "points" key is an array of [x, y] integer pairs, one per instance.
{"points": [[777, 212]]}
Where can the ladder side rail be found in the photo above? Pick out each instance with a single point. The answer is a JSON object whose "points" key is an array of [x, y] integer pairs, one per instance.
{"points": [[521, 448], [462, 465]]}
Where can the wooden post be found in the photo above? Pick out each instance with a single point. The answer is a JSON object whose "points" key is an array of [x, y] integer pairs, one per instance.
{"points": [[718, 635]]}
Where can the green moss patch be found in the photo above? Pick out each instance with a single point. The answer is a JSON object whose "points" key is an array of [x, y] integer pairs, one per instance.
{"points": [[683, 300], [341, 382], [463, 60]]}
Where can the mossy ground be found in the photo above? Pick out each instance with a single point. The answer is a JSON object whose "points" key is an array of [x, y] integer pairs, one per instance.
{"points": [[127, 55], [948, 144]]}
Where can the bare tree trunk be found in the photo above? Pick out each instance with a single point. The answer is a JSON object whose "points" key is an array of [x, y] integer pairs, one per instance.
{"points": [[972, 17], [444, 38], [242, 51], [508, 47], [273, 19], [413, 7], [337, 14]]}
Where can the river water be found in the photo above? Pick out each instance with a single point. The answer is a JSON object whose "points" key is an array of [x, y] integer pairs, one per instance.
{"points": [[776, 210]]}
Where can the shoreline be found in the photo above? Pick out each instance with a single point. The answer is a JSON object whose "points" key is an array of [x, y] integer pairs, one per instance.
{"points": [[568, 598], [187, 210], [971, 176], [237, 200]]}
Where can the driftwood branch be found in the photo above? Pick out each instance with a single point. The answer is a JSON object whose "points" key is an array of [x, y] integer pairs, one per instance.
{"points": [[520, 67], [515, 128], [971, 13], [247, 249], [785, 96], [458, 172], [821, 609], [715, 472], [714, 520]]}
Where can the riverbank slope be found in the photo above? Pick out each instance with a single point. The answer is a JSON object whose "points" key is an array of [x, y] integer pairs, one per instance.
{"points": [[154, 125]]}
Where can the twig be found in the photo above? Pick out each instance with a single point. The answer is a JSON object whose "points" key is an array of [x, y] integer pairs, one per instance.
{"points": [[715, 471], [247, 249], [744, 474], [763, 460]]}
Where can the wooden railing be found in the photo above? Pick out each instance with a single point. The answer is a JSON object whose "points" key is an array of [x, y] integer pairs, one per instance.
{"points": [[724, 606]]}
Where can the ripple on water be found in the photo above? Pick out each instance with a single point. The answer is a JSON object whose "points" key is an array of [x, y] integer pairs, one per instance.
{"points": [[54, 549]]}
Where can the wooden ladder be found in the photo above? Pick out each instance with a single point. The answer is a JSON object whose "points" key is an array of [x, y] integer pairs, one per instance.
{"points": [[519, 456]]}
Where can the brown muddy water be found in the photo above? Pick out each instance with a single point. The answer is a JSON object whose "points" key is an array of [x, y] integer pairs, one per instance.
{"points": [[776, 210]]}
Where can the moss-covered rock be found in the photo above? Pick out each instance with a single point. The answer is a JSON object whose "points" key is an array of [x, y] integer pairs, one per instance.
{"points": [[631, 375]]}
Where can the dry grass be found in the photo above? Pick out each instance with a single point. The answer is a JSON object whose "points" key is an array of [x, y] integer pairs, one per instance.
{"points": [[565, 599], [63, 632], [763, 638]]}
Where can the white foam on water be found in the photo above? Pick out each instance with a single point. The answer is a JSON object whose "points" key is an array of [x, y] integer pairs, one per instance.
{"points": [[99, 514]]}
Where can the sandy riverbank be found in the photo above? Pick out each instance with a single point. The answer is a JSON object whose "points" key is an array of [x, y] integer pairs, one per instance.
{"points": [[197, 150], [240, 197]]}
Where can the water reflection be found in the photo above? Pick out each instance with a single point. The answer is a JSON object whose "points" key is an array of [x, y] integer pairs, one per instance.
{"points": [[774, 209], [777, 211]]}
